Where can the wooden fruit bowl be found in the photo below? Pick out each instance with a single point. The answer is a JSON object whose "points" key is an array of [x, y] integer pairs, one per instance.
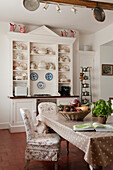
{"points": [[76, 115]]}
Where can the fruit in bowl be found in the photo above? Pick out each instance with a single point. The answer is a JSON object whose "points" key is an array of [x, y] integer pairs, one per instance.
{"points": [[83, 108], [78, 110], [66, 108], [75, 107], [70, 112], [72, 108], [76, 103], [61, 107]]}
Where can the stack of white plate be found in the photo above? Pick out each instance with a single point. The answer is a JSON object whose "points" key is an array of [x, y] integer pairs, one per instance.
{"points": [[42, 51], [42, 66]]}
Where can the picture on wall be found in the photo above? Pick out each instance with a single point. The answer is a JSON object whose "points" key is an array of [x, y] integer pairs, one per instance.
{"points": [[107, 69]]}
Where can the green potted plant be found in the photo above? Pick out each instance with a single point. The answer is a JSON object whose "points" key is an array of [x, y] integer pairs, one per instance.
{"points": [[102, 109]]}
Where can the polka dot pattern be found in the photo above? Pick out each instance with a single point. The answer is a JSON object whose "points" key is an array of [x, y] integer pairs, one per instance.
{"points": [[98, 146]]}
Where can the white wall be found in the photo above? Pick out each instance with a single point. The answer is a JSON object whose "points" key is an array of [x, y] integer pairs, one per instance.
{"points": [[87, 39], [106, 82], [96, 41], [101, 37], [4, 76]]}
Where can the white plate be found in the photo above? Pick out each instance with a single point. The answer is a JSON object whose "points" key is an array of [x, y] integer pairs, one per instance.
{"points": [[40, 85], [24, 65], [19, 68], [43, 51], [62, 51]]}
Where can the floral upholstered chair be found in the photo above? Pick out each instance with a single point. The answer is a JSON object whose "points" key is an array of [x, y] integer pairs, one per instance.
{"points": [[48, 107], [39, 146]]}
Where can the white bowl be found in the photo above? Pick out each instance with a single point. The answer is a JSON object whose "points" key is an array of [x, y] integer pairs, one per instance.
{"points": [[41, 68], [18, 77], [62, 51], [42, 51], [63, 80], [19, 68]]}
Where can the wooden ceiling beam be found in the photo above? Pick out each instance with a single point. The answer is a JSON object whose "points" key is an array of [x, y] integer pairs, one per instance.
{"points": [[84, 3]]}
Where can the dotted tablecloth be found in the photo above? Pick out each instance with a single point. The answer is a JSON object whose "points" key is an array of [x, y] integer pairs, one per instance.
{"points": [[98, 146]]}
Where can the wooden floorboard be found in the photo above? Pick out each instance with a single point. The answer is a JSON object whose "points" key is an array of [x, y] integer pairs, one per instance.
{"points": [[12, 149]]}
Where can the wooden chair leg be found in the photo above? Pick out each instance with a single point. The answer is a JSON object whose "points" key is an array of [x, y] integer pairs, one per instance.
{"points": [[56, 165], [95, 167], [67, 147], [27, 164]]}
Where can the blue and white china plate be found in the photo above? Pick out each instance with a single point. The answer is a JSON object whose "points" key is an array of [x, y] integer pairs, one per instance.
{"points": [[40, 85], [34, 76], [49, 76]]}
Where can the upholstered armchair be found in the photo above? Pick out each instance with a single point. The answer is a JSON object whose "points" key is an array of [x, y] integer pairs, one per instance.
{"points": [[48, 107], [42, 147]]}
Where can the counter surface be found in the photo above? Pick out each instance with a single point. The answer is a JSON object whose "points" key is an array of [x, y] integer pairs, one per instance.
{"points": [[35, 97]]}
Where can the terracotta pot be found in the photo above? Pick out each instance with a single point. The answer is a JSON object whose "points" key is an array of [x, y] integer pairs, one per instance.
{"points": [[94, 115], [102, 119]]}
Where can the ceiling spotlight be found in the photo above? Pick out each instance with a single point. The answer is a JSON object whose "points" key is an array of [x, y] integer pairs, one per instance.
{"points": [[31, 5], [74, 9], [45, 6], [58, 8]]}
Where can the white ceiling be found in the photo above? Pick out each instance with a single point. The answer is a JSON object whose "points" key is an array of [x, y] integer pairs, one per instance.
{"points": [[83, 20]]}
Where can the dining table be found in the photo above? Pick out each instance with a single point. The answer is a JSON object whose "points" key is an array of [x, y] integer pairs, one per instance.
{"points": [[97, 146]]}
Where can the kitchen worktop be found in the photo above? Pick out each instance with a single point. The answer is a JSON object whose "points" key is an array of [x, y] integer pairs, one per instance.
{"points": [[32, 97]]}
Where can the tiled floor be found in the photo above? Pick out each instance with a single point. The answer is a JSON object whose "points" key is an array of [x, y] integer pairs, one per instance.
{"points": [[12, 148]]}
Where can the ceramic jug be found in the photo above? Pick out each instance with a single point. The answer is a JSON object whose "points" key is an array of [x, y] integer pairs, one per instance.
{"points": [[22, 28], [33, 65], [65, 33], [72, 33], [12, 27], [62, 33], [51, 66]]}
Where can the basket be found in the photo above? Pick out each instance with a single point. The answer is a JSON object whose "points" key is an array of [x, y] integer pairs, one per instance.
{"points": [[75, 115]]}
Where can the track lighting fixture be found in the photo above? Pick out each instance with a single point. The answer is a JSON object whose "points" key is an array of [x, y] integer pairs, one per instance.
{"points": [[58, 8], [31, 5], [74, 9], [45, 6]]}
